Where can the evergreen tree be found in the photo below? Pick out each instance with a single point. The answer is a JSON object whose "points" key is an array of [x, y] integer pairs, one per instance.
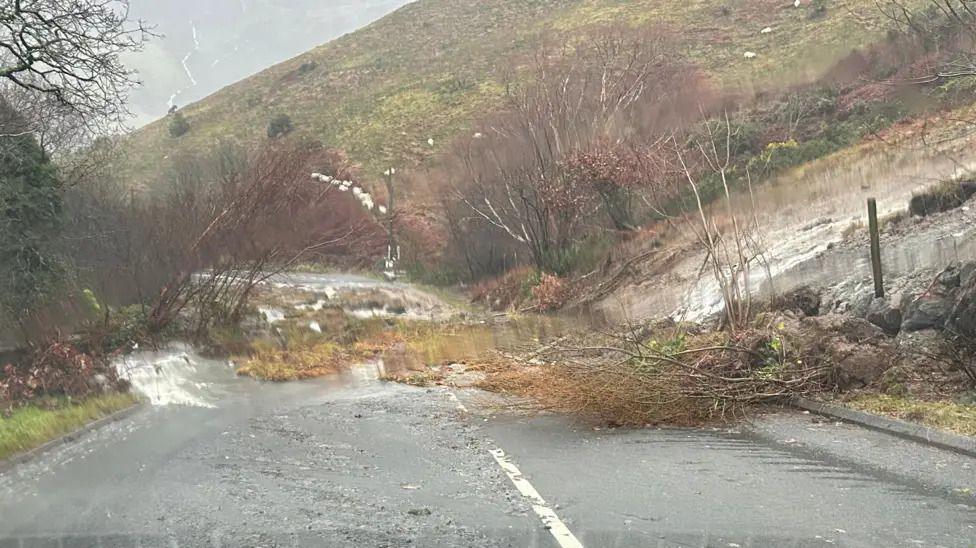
{"points": [[31, 206], [178, 126], [279, 125]]}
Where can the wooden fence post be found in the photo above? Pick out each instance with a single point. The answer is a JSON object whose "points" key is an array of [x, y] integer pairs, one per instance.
{"points": [[875, 248]]}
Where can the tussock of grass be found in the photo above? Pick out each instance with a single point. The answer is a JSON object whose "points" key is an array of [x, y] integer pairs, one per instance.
{"points": [[296, 352], [942, 197], [944, 415], [415, 378], [32, 426]]}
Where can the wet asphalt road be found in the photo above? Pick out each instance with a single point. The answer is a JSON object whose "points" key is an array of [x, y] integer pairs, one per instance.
{"points": [[356, 462]]}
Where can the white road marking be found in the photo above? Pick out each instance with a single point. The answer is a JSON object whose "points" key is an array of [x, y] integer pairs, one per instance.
{"points": [[564, 537]]}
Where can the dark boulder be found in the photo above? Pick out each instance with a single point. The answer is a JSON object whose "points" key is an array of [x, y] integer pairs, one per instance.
{"points": [[942, 197], [928, 311], [882, 314], [961, 319]]}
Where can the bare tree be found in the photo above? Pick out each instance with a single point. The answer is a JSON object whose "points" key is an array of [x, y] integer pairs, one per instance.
{"points": [[733, 247], [517, 176], [60, 62]]}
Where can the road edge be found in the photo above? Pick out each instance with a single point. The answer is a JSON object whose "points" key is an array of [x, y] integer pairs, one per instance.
{"points": [[16, 460], [922, 434]]}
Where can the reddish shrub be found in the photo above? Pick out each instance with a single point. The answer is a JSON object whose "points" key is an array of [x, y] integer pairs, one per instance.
{"points": [[506, 290], [551, 293], [58, 370]]}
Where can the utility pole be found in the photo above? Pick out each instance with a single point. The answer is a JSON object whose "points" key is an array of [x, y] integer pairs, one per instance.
{"points": [[393, 247]]}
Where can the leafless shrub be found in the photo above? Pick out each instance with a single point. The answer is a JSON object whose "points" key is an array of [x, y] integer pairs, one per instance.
{"points": [[57, 370], [735, 247], [551, 293], [222, 225]]}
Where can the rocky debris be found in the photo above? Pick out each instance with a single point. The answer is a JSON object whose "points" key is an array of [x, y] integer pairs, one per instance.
{"points": [[859, 352], [852, 296], [926, 324], [804, 299], [919, 344], [930, 308], [919, 301], [852, 329], [857, 365]]}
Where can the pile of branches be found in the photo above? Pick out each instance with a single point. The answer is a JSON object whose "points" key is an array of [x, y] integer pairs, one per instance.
{"points": [[674, 378], [58, 370]]}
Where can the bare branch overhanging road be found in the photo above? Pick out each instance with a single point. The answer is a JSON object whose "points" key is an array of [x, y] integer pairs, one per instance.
{"points": [[349, 462]]}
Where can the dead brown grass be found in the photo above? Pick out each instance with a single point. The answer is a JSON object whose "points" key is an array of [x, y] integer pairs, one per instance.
{"points": [[609, 394], [279, 365]]}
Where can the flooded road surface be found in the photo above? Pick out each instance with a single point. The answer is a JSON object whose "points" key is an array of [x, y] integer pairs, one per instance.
{"points": [[802, 214], [349, 460], [360, 463]]}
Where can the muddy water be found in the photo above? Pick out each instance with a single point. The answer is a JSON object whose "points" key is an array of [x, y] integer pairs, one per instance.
{"points": [[177, 375], [471, 343], [797, 217]]}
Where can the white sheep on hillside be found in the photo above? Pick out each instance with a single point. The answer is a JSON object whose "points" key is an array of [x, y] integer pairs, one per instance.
{"points": [[344, 186]]}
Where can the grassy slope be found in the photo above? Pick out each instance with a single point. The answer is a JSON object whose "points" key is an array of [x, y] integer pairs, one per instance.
{"points": [[430, 68], [31, 426]]}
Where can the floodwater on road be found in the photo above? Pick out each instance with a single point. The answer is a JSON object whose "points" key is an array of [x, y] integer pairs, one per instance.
{"points": [[347, 460], [321, 464], [178, 375]]}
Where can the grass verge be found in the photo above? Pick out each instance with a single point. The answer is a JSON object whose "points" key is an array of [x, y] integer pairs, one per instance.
{"points": [[32, 426], [944, 415]]}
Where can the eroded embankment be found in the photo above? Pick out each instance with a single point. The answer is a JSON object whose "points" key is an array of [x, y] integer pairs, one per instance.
{"points": [[800, 218]]}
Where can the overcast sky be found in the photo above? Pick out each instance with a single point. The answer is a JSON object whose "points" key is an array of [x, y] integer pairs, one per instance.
{"points": [[208, 44]]}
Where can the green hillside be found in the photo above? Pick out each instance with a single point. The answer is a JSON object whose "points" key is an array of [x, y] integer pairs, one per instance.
{"points": [[430, 68]]}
